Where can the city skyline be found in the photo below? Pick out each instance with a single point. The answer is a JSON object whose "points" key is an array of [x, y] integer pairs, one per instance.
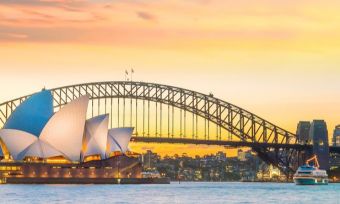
{"points": [[278, 60]]}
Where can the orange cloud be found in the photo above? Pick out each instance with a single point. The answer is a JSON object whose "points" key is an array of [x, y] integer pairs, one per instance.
{"points": [[190, 24]]}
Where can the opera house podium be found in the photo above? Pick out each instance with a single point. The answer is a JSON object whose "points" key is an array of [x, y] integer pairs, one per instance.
{"points": [[39, 145]]}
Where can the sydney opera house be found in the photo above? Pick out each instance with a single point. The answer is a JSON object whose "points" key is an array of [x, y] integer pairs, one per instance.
{"points": [[39, 145]]}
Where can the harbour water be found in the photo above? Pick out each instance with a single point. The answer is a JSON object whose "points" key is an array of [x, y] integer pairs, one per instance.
{"points": [[174, 193]]}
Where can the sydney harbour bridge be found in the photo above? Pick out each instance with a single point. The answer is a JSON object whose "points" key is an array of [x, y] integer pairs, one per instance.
{"points": [[168, 114]]}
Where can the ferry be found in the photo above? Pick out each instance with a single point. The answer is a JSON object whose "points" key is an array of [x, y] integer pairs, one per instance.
{"points": [[310, 174]]}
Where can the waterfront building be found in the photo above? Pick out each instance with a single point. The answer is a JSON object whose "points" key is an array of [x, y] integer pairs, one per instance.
{"points": [[241, 155], [336, 136], [319, 133], [63, 144], [221, 156], [209, 167], [149, 160], [302, 132], [198, 175], [274, 172]]}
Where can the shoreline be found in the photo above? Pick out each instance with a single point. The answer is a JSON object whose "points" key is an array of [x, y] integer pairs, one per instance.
{"points": [[16, 180], [174, 181]]}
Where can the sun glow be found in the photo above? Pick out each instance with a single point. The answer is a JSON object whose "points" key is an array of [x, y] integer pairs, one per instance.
{"points": [[277, 59]]}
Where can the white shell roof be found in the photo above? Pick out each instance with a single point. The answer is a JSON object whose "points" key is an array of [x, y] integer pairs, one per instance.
{"points": [[21, 144], [65, 129], [32, 114], [95, 138], [41, 149], [119, 137], [16, 141], [112, 146], [64, 135]]}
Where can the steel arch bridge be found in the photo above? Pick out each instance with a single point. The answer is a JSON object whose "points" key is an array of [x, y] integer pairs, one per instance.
{"points": [[168, 114]]}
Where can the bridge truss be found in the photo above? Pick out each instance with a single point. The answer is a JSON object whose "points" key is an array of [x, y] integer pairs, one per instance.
{"points": [[168, 114]]}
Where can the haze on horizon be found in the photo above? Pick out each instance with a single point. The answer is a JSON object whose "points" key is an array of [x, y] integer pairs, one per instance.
{"points": [[278, 59]]}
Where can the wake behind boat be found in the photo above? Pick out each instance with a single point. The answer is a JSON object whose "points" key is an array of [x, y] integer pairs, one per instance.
{"points": [[310, 175]]}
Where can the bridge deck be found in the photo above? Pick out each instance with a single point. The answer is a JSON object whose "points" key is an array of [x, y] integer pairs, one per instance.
{"points": [[218, 142]]}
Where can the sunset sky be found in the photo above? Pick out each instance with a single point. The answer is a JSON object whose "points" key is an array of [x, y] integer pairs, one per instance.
{"points": [[278, 59]]}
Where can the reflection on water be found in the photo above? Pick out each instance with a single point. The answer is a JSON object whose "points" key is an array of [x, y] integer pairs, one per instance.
{"points": [[173, 193]]}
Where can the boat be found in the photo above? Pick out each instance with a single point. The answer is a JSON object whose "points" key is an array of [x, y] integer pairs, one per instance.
{"points": [[311, 174]]}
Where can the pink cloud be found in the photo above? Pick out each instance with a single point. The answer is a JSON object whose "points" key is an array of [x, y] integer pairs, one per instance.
{"points": [[13, 36], [145, 16]]}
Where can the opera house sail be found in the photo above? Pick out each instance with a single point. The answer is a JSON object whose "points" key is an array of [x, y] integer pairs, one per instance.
{"points": [[16, 141], [39, 145], [67, 125], [33, 114], [95, 137], [118, 140]]}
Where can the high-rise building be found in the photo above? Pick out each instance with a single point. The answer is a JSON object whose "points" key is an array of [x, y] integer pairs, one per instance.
{"points": [[302, 132], [319, 133], [221, 156], [150, 160], [241, 155], [336, 136]]}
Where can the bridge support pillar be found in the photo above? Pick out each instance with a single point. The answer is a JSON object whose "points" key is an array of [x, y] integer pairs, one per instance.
{"points": [[319, 133]]}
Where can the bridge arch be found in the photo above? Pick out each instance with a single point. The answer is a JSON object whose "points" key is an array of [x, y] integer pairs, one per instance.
{"points": [[238, 121]]}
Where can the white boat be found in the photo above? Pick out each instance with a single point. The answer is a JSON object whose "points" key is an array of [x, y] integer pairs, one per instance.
{"points": [[310, 175]]}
